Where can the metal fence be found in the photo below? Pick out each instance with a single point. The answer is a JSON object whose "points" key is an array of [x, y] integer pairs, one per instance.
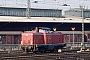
{"points": [[18, 46], [10, 47], [78, 44]]}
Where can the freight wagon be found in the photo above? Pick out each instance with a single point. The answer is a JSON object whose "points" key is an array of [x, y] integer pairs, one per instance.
{"points": [[10, 39], [68, 36]]}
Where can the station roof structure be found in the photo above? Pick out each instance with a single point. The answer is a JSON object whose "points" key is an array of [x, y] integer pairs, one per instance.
{"points": [[19, 32], [43, 19]]}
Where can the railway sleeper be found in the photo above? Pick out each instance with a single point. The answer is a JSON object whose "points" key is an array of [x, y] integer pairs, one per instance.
{"points": [[9, 57]]}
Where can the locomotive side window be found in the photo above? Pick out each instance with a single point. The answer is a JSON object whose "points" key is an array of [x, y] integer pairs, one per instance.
{"points": [[47, 30], [41, 29]]}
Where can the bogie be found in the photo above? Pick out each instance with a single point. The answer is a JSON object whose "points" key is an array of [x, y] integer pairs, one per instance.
{"points": [[44, 48]]}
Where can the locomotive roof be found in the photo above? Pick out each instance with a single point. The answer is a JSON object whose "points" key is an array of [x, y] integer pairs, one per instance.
{"points": [[40, 28], [44, 28]]}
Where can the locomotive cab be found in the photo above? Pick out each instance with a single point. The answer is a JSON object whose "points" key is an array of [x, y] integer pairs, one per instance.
{"points": [[41, 29]]}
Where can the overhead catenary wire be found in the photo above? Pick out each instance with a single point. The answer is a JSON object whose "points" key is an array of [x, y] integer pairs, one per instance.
{"points": [[18, 2]]}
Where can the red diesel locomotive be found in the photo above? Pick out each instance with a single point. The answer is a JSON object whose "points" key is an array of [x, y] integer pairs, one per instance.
{"points": [[41, 39]]}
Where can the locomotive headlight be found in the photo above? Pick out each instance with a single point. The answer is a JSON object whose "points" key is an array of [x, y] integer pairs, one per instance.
{"points": [[59, 50], [26, 34]]}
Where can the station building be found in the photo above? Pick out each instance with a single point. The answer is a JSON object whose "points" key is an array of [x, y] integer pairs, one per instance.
{"points": [[34, 12], [77, 12]]}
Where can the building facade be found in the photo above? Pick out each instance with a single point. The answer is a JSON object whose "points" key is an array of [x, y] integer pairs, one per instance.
{"points": [[34, 12], [77, 12]]}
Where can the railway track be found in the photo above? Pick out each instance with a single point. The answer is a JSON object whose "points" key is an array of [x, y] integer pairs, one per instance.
{"points": [[19, 55]]}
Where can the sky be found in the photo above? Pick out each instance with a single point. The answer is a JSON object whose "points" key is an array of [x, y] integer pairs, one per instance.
{"points": [[53, 4]]}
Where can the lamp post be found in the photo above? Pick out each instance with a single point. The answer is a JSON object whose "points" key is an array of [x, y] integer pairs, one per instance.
{"points": [[73, 34], [54, 29]]}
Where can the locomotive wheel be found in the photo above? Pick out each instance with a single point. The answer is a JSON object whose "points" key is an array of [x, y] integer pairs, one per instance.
{"points": [[51, 51]]}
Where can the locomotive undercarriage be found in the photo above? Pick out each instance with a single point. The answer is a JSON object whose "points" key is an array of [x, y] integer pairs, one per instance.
{"points": [[42, 48]]}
